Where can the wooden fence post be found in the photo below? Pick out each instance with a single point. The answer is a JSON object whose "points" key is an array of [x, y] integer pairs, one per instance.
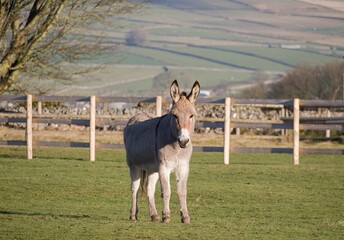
{"points": [[237, 130], [296, 151], [39, 111], [328, 114], [158, 107], [39, 107], [227, 131], [92, 128], [29, 126], [283, 114]]}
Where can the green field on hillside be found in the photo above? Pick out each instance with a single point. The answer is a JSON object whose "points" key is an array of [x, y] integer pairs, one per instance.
{"points": [[239, 37]]}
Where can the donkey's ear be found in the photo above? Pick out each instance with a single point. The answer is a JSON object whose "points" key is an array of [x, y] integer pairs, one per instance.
{"points": [[174, 90], [194, 93]]}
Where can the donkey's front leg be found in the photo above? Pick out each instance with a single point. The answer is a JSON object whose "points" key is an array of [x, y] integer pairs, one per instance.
{"points": [[152, 179], [165, 193], [182, 174]]}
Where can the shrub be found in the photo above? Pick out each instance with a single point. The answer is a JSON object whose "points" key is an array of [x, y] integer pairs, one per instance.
{"points": [[304, 82], [136, 37]]}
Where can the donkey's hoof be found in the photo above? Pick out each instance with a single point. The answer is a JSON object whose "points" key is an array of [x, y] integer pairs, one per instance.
{"points": [[166, 219], [186, 220], [155, 218], [185, 217], [133, 218]]}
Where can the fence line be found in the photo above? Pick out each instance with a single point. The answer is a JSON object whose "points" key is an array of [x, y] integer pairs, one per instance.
{"points": [[295, 122]]}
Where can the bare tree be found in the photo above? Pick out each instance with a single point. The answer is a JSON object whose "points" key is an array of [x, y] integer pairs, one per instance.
{"points": [[307, 82], [163, 80], [37, 35], [136, 37]]}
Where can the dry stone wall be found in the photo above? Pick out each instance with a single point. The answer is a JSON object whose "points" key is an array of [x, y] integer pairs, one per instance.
{"points": [[124, 111]]}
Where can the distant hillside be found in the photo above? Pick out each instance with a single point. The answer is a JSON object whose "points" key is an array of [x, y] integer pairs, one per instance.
{"points": [[226, 45], [193, 5]]}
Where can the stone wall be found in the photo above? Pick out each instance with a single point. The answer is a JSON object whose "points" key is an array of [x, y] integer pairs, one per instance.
{"points": [[124, 111]]}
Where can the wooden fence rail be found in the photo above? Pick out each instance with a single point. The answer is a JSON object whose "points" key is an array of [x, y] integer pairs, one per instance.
{"points": [[296, 122]]}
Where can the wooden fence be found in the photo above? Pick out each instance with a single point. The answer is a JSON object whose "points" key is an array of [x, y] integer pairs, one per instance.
{"points": [[296, 123]]}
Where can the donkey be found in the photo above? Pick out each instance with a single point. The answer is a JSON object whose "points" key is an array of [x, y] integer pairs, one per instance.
{"points": [[158, 146]]}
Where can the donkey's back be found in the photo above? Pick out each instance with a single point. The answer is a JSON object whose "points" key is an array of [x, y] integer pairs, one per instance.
{"points": [[139, 139]]}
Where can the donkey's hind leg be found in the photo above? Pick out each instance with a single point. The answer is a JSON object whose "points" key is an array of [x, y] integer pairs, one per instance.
{"points": [[135, 175], [152, 180]]}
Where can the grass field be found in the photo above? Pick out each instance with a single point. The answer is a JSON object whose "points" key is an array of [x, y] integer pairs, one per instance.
{"points": [[60, 194]]}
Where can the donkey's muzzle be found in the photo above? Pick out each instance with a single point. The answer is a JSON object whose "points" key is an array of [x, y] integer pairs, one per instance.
{"points": [[183, 138], [183, 142]]}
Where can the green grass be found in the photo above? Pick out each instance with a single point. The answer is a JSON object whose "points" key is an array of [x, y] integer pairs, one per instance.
{"points": [[258, 196]]}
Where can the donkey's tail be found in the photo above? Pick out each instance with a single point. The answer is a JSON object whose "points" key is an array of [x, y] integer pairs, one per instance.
{"points": [[144, 179]]}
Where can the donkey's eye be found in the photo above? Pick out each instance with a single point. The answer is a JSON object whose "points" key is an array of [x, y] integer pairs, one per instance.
{"points": [[191, 116]]}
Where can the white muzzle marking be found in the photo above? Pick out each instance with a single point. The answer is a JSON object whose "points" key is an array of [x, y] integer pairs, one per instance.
{"points": [[183, 138]]}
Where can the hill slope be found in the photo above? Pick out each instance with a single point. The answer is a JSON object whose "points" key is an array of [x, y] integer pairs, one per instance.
{"points": [[220, 43]]}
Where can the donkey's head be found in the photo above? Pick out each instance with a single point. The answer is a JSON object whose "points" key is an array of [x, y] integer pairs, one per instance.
{"points": [[184, 112]]}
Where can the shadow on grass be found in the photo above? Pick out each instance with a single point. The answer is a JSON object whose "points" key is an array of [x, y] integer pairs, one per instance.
{"points": [[13, 156], [81, 159], [4, 212], [41, 157]]}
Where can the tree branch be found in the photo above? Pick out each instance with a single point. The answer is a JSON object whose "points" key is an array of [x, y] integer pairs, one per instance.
{"points": [[33, 34]]}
